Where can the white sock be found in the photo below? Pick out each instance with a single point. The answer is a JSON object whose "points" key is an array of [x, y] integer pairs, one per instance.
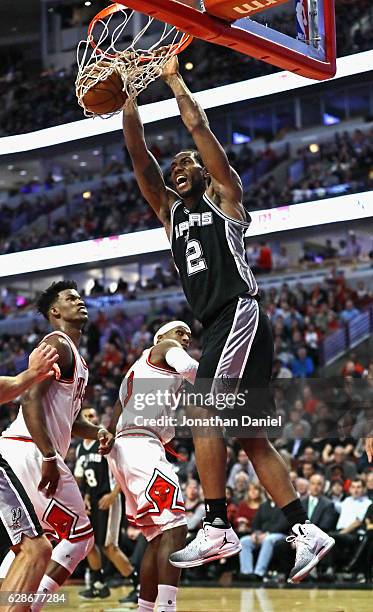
{"points": [[47, 585], [145, 606], [166, 601]]}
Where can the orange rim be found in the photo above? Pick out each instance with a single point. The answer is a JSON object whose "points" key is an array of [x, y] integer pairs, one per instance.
{"points": [[185, 40]]}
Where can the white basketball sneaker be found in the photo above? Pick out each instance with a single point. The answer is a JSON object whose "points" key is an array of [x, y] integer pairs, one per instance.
{"points": [[210, 544], [311, 545]]}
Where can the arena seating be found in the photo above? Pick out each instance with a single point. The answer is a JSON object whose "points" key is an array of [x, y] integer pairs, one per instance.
{"points": [[342, 164]]}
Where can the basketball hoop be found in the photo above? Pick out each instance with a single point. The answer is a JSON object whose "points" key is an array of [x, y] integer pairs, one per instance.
{"points": [[138, 63]]}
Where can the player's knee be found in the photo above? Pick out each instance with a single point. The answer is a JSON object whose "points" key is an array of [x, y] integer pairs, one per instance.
{"points": [[69, 554]]}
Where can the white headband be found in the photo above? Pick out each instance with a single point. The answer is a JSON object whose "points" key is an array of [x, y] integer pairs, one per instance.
{"points": [[168, 326]]}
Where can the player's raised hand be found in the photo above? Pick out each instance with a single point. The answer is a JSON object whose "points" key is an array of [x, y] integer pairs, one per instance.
{"points": [[171, 68], [43, 361], [106, 440], [50, 476]]}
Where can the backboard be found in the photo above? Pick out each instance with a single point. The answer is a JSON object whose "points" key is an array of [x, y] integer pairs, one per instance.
{"points": [[310, 51]]}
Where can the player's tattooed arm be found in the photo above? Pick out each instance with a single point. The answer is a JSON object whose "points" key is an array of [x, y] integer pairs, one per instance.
{"points": [[148, 173], [225, 182]]}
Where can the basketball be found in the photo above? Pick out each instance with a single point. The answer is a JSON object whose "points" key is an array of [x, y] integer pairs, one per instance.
{"points": [[106, 96]]}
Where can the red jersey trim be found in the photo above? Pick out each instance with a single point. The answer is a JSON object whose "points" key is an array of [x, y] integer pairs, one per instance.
{"points": [[18, 438], [155, 367], [135, 432]]}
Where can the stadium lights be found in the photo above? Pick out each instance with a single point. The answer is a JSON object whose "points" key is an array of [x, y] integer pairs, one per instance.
{"points": [[314, 147], [210, 98], [284, 218]]}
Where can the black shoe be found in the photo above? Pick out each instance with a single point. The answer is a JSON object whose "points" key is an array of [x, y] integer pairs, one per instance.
{"points": [[254, 578], [116, 581], [96, 592], [131, 598]]}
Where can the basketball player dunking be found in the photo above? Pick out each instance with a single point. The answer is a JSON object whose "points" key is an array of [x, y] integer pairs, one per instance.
{"points": [[154, 502], [206, 222], [37, 442]]}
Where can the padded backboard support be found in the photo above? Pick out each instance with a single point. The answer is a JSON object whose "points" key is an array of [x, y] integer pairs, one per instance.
{"points": [[252, 38]]}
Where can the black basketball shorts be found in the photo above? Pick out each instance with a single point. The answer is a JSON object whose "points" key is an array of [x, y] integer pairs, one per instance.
{"points": [[16, 511], [237, 360], [106, 523]]}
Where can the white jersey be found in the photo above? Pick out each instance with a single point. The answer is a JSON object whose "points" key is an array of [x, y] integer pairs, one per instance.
{"points": [[62, 403], [148, 396]]}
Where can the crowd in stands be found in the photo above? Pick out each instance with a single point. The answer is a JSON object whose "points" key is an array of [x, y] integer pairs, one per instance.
{"points": [[33, 102], [301, 317], [343, 164]]}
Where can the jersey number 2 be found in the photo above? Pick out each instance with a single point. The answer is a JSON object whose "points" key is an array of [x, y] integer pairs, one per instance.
{"points": [[194, 257]]}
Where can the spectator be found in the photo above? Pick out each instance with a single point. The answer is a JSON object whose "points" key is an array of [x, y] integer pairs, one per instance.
{"points": [[353, 510], [295, 418], [348, 467], [247, 508], [337, 494], [269, 526], [306, 469], [159, 280], [301, 487], [243, 465], [194, 506], [280, 370], [302, 366], [318, 507], [281, 261], [363, 556], [264, 262], [241, 483], [97, 287], [349, 312]]}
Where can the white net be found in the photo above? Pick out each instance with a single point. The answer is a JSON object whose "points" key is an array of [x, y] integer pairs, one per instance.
{"points": [[132, 44]]}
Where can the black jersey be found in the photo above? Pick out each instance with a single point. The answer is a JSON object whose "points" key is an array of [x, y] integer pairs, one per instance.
{"points": [[209, 252], [93, 468]]}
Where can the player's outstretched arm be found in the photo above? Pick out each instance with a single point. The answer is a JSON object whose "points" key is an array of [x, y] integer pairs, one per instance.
{"points": [[42, 364], [174, 355], [82, 428], [195, 120], [147, 171]]}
